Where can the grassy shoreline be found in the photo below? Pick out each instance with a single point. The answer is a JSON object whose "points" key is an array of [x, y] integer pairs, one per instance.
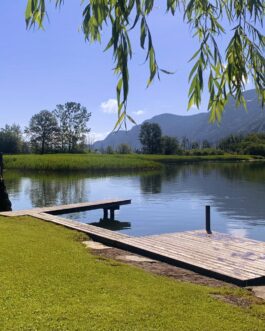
{"points": [[50, 281], [103, 162]]}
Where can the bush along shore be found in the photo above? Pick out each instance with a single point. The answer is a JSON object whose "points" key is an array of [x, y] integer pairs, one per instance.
{"points": [[114, 162]]}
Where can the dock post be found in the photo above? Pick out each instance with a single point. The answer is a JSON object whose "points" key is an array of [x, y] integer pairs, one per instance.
{"points": [[105, 214], [112, 214], [208, 219]]}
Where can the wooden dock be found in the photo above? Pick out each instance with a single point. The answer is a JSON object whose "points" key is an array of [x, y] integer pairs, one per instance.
{"points": [[233, 259], [106, 205]]}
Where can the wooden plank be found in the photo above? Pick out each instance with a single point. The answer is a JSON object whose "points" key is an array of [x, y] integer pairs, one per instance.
{"points": [[220, 238], [213, 248], [110, 204], [90, 229], [195, 259], [207, 256], [198, 266], [257, 261], [70, 208], [217, 245]]}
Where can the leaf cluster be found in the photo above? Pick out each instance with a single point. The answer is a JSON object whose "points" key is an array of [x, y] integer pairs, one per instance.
{"points": [[227, 73]]}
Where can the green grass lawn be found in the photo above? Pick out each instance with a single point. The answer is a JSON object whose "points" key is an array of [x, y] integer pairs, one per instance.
{"points": [[105, 162], [50, 281]]}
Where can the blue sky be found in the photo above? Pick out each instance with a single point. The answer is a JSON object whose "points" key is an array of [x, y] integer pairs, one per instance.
{"points": [[40, 69]]}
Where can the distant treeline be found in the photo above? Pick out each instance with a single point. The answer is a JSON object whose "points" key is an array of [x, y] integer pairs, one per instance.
{"points": [[153, 142], [64, 131], [59, 131]]}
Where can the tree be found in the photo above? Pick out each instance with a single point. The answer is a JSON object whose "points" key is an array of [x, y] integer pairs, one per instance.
{"points": [[43, 132], [109, 150], [225, 72], [151, 137], [253, 144], [72, 120], [170, 145], [185, 143], [230, 143], [206, 144], [195, 145], [255, 149], [11, 140], [124, 149]]}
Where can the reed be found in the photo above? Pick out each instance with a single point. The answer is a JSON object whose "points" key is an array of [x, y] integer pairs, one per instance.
{"points": [[108, 162]]}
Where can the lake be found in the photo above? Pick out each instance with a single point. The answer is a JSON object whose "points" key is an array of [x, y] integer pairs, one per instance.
{"points": [[171, 200]]}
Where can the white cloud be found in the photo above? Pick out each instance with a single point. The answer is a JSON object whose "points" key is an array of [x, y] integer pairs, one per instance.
{"points": [[96, 136], [138, 112], [110, 106]]}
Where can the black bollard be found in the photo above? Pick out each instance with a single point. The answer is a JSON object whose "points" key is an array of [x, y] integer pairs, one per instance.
{"points": [[208, 219]]}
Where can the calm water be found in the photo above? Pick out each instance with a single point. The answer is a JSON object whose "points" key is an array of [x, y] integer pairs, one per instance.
{"points": [[168, 201]]}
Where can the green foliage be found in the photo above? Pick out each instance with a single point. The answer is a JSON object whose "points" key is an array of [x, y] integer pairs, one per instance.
{"points": [[95, 163], [124, 149], [72, 120], [50, 281], [11, 140], [255, 149], [252, 144], [151, 138], [223, 157], [185, 143], [230, 143], [63, 130], [43, 130], [206, 144], [170, 145], [79, 162], [243, 58], [204, 152], [255, 138], [195, 145], [109, 150]]}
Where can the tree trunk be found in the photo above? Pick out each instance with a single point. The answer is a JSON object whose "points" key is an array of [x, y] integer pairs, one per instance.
{"points": [[42, 146]]}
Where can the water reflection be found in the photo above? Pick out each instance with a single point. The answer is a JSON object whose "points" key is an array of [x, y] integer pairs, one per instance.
{"points": [[112, 225], [165, 201], [49, 191], [151, 183]]}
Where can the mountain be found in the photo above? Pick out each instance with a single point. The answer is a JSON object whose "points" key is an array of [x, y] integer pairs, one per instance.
{"points": [[235, 120]]}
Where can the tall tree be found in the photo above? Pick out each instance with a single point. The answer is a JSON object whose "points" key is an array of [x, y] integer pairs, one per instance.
{"points": [[43, 132], [151, 137], [185, 143], [206, 144], [230, 143], [170, 145], [72, 119], [195, 145], [124, 149], [11, 140], [225, 71]]}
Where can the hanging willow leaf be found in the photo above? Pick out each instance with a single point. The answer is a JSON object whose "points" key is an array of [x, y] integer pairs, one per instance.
{"points": [[244, 54]]}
